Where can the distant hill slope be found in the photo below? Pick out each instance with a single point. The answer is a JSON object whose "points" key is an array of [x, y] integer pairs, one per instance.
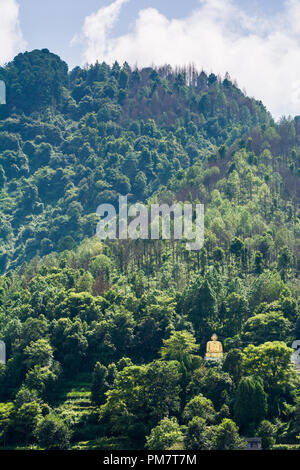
{"points": [[72, 140], [105, 341]]}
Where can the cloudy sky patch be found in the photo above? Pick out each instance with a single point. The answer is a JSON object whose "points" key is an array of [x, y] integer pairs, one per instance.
{"points": [[257, 42], [262, 53], [11, 39]]}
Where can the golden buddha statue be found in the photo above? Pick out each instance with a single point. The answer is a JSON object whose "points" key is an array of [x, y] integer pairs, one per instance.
{"points": [[214, 349]]}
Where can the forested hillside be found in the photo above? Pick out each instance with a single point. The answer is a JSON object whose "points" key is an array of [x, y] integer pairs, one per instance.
{"points": [[105, 340]]}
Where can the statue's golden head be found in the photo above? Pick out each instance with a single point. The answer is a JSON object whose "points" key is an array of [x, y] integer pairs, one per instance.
{"points": [[214, 337]]}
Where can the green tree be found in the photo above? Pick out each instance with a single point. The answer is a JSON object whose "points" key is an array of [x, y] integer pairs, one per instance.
{"points": [[258, 262], [199, 302], [35, 80], [233, 364], [26, 419], [284, 261], [38, 353], [250, 406], [99, 384], [267, 432], [25, 395], [236, 247], [164, 435], [201, 407], [180, 347], [227, 436], [42, 379], [53, 433], [6, 414], [271, 326], [271, 361], [214, 384], [198, 435]]}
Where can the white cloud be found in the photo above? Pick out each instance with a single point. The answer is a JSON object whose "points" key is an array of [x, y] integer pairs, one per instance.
{"points": [[96, 29], [263, 54], [11, 39]]}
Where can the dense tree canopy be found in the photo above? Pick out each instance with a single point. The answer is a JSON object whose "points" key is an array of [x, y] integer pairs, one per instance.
{"points": [[105, 340]]}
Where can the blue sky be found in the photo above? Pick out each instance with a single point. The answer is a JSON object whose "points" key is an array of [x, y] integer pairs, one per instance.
{"points": [[256, 41], [53, 24]]}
